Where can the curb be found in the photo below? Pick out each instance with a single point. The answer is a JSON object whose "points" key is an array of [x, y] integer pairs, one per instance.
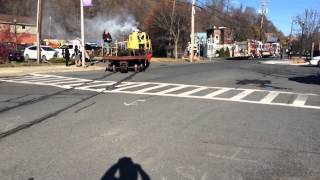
{"points": [[285, 62], [11, 71]]}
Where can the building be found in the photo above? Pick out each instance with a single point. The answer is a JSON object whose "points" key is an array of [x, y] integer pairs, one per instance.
{"points": [[17, 29], [218, 38]]}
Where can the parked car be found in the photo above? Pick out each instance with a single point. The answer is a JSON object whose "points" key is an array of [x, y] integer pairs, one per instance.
{"points": [[46, 53], [70, 47], [17, 53], [15, 56], [315, 61]]}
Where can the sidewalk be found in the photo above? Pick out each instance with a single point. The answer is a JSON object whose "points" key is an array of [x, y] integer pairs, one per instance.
{"points": [[182, 61], [292, 62], [11, 71]]}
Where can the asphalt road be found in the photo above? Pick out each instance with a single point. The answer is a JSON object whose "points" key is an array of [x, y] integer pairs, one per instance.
{"points": [[217, 120]]}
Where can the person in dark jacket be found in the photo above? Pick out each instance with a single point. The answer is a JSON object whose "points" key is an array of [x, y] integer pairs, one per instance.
{"points": [[67, 56], [76, 50], [107, 40]]}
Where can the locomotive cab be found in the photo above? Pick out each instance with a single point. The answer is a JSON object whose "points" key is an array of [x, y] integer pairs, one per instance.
{"points": [[139, 41]]}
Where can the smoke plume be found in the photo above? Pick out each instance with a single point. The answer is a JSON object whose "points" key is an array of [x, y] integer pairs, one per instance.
{"points": [[118, 26]]}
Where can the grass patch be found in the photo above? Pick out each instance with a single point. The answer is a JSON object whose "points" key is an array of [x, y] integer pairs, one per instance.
{"points": [[51, 62]]}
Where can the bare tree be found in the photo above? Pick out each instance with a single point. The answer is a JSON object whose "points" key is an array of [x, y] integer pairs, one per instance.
{"points": [[309, 23], [173, 24]]}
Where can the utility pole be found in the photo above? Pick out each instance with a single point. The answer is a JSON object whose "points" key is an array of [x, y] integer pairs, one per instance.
{"points": [[15, 30], [50, 23], [290, 36], [262, 18], [39, 24], [312, 50], [193, 11], [171, 24], [301, 41], [82, 36]]}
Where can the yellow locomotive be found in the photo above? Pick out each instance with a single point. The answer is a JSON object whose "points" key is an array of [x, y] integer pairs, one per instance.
{"points": [[139, 41], [135, 53]]}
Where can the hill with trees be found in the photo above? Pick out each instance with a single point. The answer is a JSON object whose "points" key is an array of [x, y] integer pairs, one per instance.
{"points": [[167, 21]]}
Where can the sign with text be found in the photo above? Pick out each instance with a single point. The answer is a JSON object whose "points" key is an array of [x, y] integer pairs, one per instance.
{"points": [[87, 3]]}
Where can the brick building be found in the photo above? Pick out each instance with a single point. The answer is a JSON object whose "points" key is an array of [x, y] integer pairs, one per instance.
{"points": [[19, 29]]}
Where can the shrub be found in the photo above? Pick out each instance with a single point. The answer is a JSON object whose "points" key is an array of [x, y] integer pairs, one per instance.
{"points": [[57, 60], [222, 52], [227, 53]]}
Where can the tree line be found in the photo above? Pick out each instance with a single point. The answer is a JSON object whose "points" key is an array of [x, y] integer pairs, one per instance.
{"points": [[167, 21]]}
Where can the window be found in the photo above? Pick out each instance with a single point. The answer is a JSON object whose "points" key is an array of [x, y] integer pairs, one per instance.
{"points": [[33, 48], [48, 49]]}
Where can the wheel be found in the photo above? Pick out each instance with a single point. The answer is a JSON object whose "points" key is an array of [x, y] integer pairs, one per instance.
{"points": [[123, 70], [319, 64], [136, 68], [44, 58], [26, 57], [114, 68], [142, 67]]}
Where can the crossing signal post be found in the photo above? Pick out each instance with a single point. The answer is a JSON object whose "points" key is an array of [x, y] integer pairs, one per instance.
{"points": [[83, 3], [193, 11], [83, 58], [39, 24]]}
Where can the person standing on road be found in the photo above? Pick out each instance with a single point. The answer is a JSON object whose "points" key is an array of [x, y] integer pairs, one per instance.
{"points": [[67, 56], [76, 50]]}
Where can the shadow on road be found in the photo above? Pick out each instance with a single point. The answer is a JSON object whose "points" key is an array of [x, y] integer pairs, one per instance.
{"points": [[260, 83], [313, 79], [125, 169]]}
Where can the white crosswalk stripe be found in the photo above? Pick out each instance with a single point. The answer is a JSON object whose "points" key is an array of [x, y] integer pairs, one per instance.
{"points": [[217, 92], [269, 98], [172, 89], [300, 100], [242, 95], [129, 87], [167, 89], [193, 91], [94, 86], [151, 88]]}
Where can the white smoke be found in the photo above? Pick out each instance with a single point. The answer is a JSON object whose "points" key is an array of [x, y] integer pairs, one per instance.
{"points": [[118, 26]]}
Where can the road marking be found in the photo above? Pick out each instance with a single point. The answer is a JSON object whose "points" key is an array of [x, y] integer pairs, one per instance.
{"points": [[52, 80], [129, 87], [193, 91], [300, 100], [242, 95], [269, 97], [46, 79], [125, 88], [151, 88], [92, 86], [172, 90], [134, 103], [70, 82], [218, 92], [23, 78], [39, 79], [230, 158]]}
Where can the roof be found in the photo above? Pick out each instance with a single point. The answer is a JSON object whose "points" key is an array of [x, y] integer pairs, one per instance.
{"points": [[19, 19], [272, 39]]}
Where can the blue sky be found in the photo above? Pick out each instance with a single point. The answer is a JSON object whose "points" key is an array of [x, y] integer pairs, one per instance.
{"points": [[280, 12]]}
